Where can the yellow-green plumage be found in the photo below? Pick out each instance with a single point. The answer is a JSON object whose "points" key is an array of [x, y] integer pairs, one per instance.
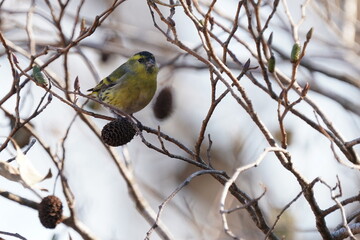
{"points": [[131, 86]]}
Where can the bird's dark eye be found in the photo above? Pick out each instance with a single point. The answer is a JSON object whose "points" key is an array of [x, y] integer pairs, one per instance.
{"points": [[141, 60]]}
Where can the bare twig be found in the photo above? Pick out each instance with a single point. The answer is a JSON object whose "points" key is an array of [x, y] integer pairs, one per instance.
{"points": [[232, 180], [335, 196], [173, 194], [16, 235]]}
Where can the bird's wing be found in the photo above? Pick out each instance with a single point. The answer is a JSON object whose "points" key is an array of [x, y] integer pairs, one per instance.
{"points": [[114, 78]]}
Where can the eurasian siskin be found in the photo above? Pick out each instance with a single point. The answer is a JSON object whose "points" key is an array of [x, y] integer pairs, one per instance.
{"points": [[131, 86]]}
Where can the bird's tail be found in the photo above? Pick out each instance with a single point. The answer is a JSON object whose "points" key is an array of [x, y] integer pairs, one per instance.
{"points": [[92, 92]]}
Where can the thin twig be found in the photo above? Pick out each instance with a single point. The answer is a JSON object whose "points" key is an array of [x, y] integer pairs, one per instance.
{"points": [[227, 185], [176, 191]]}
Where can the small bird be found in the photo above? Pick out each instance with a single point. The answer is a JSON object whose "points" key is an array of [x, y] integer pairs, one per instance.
{"points": [[131, 86]]}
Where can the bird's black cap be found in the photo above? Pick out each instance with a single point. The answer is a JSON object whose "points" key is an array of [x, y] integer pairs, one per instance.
{"points": [[145, 54]]}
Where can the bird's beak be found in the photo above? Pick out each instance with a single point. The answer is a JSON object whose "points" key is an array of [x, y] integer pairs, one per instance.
{"points": [[150, 63]]}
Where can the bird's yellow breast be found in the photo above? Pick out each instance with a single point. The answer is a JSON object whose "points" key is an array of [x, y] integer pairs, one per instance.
{"points": [[132, 94]]}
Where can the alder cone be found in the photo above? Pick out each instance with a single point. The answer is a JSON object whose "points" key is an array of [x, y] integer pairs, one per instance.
{"points": [[50, 211], [118, 132], [163, 105]]}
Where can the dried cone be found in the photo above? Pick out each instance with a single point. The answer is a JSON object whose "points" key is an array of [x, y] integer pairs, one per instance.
{"points": [[163, 105], [118, 132], [50, 211]]}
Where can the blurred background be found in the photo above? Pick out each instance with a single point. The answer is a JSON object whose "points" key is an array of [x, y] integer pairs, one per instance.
{"points": [[331, 66]]}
